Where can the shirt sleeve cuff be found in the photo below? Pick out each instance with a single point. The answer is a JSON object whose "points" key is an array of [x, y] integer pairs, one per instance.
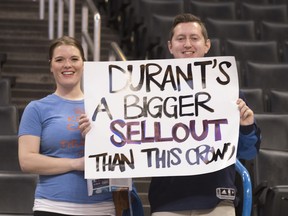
{"points": [[247, 129]]}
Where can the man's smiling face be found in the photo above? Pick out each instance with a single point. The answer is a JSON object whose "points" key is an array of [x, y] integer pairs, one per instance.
{"points": [[188, 41]]}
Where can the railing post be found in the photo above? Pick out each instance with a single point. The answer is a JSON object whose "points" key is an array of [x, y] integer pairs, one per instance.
{"points": [[51, 19], [41, 9], [71, 18], [84, 29], [97, 36], [60, 18], [87, 43]]}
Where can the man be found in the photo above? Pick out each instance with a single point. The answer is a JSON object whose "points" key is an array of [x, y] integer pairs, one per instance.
{"points": [[199, 194]]}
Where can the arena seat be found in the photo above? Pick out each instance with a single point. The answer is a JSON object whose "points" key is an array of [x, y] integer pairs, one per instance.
{"points": [[216, 10], [257, 51], [148, 9], [9, 153], [278, 101], [230, 29], [17, 193], [266, 76], [255, 99], [270, 176], [275, 31], [263, 12], [274, 129], [9, 120]]}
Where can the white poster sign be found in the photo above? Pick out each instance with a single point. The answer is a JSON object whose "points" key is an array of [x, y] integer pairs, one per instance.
{"points": [[161, 117]]}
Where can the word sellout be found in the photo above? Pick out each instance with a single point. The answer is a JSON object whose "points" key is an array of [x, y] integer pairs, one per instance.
{"points": [[135, 128]]}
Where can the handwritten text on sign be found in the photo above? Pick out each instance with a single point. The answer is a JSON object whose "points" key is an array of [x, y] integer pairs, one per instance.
{"points": [[160, 117]]}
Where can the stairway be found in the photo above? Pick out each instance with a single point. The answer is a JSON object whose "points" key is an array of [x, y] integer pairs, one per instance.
{"points": [[24, 38]]}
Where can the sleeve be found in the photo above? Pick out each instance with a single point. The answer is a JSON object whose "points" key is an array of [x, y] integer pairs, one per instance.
{"points": [[249, 142], [30, 123]]}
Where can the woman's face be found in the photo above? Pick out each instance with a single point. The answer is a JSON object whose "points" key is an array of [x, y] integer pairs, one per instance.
{"points": [[67, 66], [188, 41]]}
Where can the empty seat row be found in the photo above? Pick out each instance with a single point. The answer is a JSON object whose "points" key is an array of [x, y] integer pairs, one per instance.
{"points": [[139, 27], [274, 101], [243, 32], [270, 179], [270, 190], [228, 38], [266, 76], [231, 10]]}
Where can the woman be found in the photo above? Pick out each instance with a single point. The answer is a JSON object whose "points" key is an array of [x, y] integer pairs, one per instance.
{"points": [[50, 142]]}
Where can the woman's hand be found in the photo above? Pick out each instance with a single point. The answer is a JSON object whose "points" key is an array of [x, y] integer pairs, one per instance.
{"points": [[246, 114], [84, 124]]}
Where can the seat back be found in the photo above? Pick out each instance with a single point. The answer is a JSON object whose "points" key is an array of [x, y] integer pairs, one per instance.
{"points": [[9, 120], [9, 153], [17, 193], [271, 167], [278, 101], [216, 10], [215, 49], [264, 12], [255, 99], [231, 29], [275, 31], [274, 129], [277, 201], [255, 51], [161, 26], [148, 8], [266, 76]]}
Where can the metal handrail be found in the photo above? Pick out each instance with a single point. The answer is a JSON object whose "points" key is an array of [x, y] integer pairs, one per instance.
{"points": [[94, 46], [115, 53], [89, 44], [70, 4], [247, 188]]}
